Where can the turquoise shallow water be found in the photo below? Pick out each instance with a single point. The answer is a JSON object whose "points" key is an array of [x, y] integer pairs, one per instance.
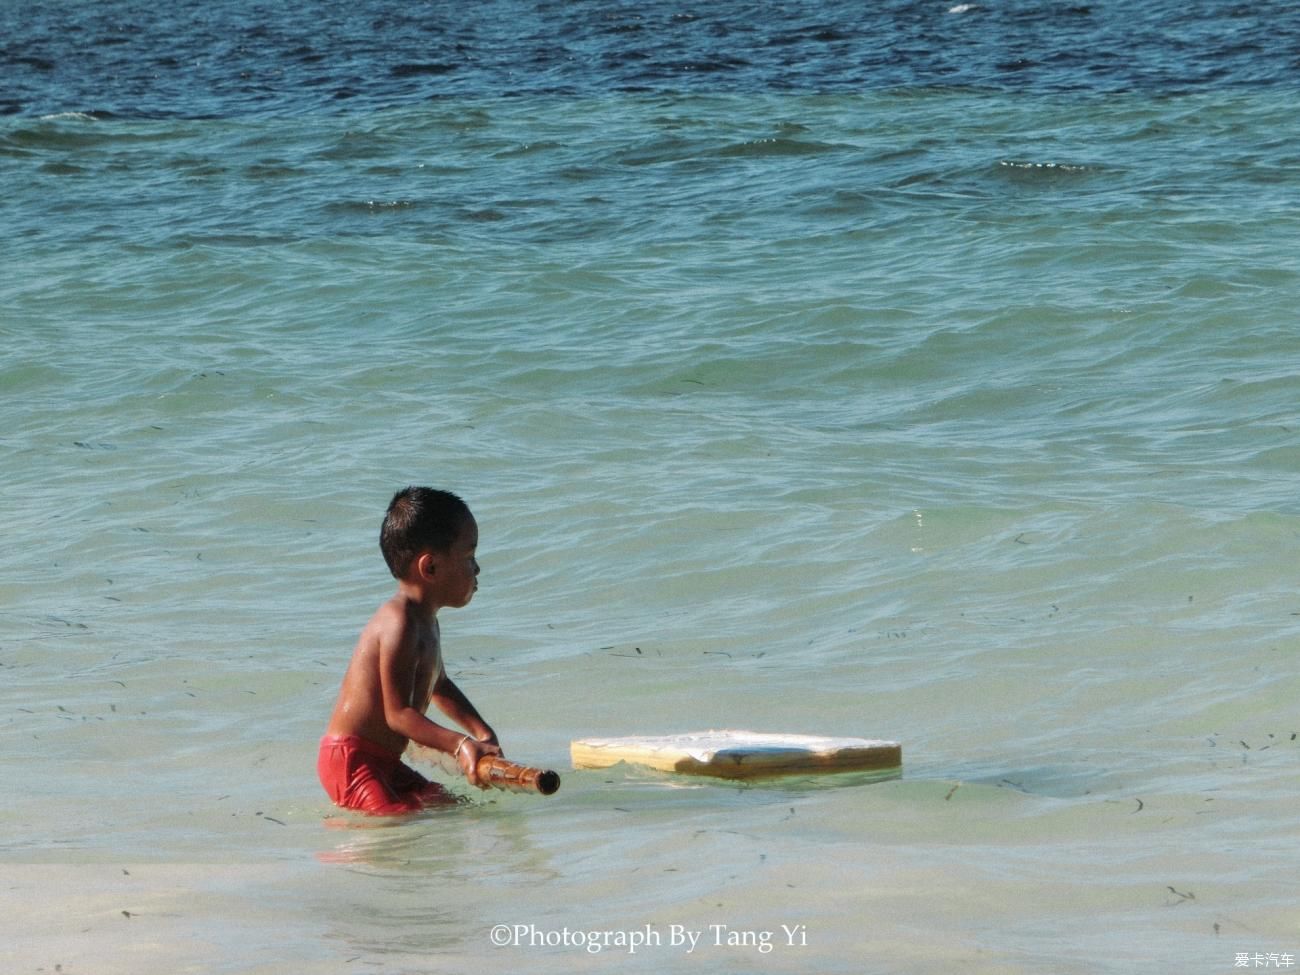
{"points": [[961, 416]]}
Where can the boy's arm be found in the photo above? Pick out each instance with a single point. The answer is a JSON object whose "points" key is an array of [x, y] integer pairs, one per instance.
{"points": [[452, 702], [398, 679]]}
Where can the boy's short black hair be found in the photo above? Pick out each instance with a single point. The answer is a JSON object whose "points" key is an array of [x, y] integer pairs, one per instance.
{"points": [[419, 519]]}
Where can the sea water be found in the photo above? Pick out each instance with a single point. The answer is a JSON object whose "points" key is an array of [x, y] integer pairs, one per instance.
{"points": [[923, 371]]}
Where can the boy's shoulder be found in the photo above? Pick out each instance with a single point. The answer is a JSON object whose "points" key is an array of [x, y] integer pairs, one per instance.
{"points": [[393, 614], [396, 620]]}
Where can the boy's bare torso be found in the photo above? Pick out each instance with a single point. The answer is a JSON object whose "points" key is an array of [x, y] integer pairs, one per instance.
{"points": [[403, 629]]}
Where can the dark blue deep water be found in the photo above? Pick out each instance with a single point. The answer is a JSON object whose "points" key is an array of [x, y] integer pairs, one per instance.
{"points": [[228, 58]]}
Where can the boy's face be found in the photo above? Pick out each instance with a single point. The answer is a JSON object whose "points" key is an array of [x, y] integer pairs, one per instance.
{"points": [[454, 573]]}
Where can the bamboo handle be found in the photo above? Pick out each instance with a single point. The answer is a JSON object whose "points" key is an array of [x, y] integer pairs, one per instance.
{"points": [[500, 774]]}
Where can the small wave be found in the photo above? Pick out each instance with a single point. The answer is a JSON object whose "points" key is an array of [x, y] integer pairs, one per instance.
{"points": [[60, 131], [62, 169], [824, 33], [74, 117], [527, 149], [656, 151], [776, 146], [714, 65], [371, 206], [425, 68], [1060, 167], [1031, 172]]}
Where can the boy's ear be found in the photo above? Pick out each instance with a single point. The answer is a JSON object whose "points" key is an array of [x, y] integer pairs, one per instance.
{"points": [[425, 564]]}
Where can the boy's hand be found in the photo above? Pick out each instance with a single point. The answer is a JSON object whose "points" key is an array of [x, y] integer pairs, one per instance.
{"points": [[469, 751]]}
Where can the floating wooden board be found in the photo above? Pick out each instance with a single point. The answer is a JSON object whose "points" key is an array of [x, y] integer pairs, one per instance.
{"points": [[739, 754]]}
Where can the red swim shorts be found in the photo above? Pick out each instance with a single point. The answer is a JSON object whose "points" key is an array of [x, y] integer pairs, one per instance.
{"points": [[358, 774]]}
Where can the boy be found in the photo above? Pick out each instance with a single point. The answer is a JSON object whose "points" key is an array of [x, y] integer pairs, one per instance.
{"points": [[428, 540]]}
